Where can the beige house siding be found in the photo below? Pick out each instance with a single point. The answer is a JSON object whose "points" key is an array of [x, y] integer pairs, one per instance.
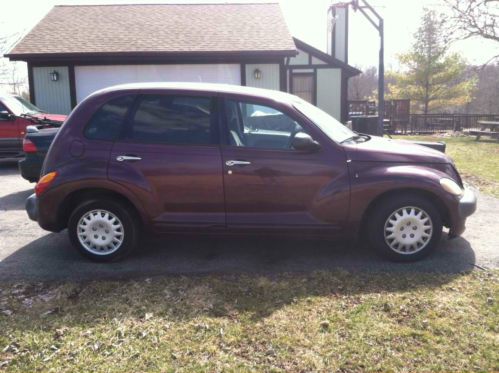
{"points": [[270, 76], [329, 91], [52, 97]]}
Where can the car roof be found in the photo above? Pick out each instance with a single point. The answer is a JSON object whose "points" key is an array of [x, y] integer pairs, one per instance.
{"points": [[202, 87]]}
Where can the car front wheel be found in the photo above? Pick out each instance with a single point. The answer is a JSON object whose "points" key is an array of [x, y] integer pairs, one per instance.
{"points": [[103, 230], [405, 228]]}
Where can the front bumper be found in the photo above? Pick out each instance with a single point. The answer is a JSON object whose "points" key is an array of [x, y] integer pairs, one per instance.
{"points": [[466, 206], [32, 207]]}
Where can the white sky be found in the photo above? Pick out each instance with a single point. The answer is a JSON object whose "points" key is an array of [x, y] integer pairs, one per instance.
{"points": [[306, 20]]}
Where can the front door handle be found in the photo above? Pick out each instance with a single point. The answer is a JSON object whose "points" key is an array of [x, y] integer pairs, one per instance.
{"points": [[127, 158], [237, 163]]}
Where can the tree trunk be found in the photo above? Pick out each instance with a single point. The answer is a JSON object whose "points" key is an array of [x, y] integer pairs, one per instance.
{"points": [[426, 102]]}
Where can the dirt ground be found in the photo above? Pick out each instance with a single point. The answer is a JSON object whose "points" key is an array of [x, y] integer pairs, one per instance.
{"points": [[29, 253]]}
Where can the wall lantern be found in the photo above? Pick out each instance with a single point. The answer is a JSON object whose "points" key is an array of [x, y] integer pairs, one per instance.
{"points": [[54, 76], [257, 74]]}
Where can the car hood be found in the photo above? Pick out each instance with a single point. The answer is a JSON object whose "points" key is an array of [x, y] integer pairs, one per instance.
{"points": [[379, 149], [50, 117]]}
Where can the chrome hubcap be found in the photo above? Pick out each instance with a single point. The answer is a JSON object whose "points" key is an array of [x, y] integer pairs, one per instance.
{"points": [[408, 230], [100, 232]]}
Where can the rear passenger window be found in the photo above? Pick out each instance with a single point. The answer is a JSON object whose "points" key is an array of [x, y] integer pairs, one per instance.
{"points": [[107, 122], [175, 120]]}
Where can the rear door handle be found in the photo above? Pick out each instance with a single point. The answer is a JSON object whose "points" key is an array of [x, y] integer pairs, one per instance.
{"points": [[128, 158], [237, 163]]}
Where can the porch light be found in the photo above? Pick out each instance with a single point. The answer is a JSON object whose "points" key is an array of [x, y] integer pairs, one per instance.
{"points": [[257, 74], [54, 76]]}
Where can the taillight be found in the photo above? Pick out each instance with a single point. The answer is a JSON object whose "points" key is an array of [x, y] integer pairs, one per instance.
{"points": [[29, 147], [44, 183]]}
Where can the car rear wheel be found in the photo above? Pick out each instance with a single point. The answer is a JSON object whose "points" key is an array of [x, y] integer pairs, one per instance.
{"points": [[405, 228], [103, 230]]}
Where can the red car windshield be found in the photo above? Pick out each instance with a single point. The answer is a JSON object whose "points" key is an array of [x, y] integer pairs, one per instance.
{"points": [[20, 106]]}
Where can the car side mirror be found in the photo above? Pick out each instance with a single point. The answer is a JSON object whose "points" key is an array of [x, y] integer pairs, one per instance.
{"points": [[304, 142], [5, 115]]}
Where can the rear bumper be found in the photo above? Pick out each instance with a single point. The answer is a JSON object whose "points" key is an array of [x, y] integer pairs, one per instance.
{"points": [[32, 207], [30, 168], [466, 207], [44, 216]]}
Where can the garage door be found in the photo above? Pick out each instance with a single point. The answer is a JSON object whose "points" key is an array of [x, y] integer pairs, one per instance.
{"points": [[92, 78]]}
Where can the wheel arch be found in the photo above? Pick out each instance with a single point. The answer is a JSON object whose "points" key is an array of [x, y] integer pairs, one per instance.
{"points": [[434, 198], [75, 198]]}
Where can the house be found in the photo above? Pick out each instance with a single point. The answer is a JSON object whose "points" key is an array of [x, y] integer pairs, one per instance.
{"points": [[76, 50]]}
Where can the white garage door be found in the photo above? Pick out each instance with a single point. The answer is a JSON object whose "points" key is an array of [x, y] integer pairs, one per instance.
{"points": [[92, 78]]}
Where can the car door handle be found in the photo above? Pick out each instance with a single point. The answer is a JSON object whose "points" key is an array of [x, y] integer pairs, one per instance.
{"points": [[237, 163], [127, 158]]}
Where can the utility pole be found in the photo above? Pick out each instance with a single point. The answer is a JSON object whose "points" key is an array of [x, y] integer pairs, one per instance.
{"points": [[375, 19]]}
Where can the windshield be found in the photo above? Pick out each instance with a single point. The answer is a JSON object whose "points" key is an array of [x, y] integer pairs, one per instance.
{"points": [[29, 105], [19, 107], [330, 126]]}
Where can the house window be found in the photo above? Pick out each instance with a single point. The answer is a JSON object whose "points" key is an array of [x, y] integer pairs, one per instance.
{"points": [[303, 86]]}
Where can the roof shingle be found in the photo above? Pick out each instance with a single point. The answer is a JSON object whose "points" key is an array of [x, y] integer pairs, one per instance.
{"points": [[158, 28]]}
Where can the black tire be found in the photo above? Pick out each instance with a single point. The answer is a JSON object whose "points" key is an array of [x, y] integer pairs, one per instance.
{"points": [[126, 216], [379, 216]]}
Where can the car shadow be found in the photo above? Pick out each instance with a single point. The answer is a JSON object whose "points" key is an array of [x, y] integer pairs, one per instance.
{"points": [[15, 201], [51, 258]]}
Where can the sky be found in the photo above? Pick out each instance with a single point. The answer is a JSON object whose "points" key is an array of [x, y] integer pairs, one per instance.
{"points": [[307, 19]]}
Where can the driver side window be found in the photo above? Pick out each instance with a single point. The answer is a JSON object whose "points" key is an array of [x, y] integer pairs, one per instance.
{"points": [[258, 126]]}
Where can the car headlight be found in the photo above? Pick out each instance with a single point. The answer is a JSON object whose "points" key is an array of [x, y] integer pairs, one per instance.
{"points": [[451, 186]]}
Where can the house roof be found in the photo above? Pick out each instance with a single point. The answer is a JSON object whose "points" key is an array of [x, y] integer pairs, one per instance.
{"points": [[323, 56], [158, 29]]}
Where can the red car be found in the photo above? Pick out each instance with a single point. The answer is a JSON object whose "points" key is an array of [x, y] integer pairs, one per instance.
{"points": [[15, 115], [229, 159]]}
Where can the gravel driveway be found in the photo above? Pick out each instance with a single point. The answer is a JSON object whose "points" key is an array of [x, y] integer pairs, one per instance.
{"points": [[29, 253]]}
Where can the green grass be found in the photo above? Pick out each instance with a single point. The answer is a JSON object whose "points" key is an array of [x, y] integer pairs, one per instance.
{"points": [[477, 161], [325, 321]]}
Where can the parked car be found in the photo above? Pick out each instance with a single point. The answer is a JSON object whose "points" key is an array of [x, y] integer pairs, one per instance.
{"points": [[207, 158], [36, 144], [16, 114]]}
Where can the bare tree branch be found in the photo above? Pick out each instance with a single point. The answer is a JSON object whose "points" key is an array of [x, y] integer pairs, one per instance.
{"points": [[12, 78], [475, 18]]}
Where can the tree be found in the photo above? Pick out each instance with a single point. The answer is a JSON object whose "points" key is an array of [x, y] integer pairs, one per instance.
{"points": [[432, 78], [12, 75], [471, 18], [363, 86], [474, 18], [486, 98]]}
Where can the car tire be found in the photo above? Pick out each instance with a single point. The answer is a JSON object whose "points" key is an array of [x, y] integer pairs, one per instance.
{"points": [[103, 230], [404, 228]]}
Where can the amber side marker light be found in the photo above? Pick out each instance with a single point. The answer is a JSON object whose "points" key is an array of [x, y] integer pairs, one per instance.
{"points": [[44, 183]]}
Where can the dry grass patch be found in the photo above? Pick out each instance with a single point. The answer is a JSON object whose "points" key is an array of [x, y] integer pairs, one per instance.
{"points": [[317, 322]]}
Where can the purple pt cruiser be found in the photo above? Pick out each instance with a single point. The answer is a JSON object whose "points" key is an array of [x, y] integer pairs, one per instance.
{"points": [[204, 158]]}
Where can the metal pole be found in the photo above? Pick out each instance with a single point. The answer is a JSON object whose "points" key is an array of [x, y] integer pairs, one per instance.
{"points": [[371, 15], [381, 78]]}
